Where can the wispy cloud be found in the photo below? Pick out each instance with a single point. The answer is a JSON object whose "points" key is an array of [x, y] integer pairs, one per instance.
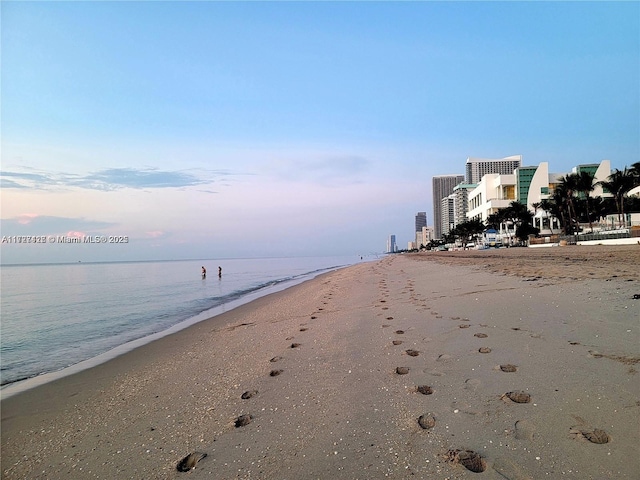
{"points": [[113, 179], [30, 224]]}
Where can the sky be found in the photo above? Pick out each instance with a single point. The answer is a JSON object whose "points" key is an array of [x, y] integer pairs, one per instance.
{"points": [[249, 129]]}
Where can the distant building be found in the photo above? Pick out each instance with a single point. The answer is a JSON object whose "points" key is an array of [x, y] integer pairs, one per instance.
{"points": [[442, 187], [424, 236], [421, 221], [476, 168], [391, 244]]}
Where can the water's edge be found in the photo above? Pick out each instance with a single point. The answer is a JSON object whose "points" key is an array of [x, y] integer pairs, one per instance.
{"points": [[19, 386]]}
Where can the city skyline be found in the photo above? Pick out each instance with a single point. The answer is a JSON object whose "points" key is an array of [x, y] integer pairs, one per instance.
{"points": [[234, 129]]}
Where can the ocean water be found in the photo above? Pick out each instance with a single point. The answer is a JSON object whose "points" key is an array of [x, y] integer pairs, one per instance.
{"points": [[56, 316]]}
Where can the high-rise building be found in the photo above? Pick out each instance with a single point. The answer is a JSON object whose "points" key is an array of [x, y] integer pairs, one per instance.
{"points": [[476, 168], [442, 187], [421, 221], [391, 244], [461, 203], [448, 218]]}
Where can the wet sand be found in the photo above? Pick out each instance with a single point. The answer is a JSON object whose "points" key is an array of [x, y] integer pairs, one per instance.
{"points": [[372, 371]]}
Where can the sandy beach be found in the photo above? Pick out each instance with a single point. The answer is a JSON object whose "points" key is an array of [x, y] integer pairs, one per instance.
{"points": [[513, 363]]}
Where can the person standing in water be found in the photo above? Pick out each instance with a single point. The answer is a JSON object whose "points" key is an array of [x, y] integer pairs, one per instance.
{"points": [[204, 272], [220, 272]]}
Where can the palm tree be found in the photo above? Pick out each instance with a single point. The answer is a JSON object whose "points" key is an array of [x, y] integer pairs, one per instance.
{"points": [[568, 185], [635, 172], [560, 209], [618, 184], [584, 184]]}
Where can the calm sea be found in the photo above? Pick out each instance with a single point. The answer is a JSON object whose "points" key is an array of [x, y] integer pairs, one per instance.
{"points": [[56, 316]]}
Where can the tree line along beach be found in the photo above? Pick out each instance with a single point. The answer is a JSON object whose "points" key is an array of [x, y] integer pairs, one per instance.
{"points": [[512, 363]]}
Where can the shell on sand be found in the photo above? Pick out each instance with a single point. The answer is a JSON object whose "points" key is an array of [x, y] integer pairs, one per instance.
{"points": [[427, 421], [190, 461], [518, 396], [402, 370], [596, 436], [469, 459], [508, 368]]}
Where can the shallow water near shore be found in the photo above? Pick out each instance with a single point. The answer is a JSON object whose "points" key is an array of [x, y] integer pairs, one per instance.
{"points": [[55, 316]]}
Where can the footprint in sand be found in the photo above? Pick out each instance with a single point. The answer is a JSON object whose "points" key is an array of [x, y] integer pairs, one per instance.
{"points": [[412, 353], [472, 384], [525, 430], [424, 389], [464, 325], [389, 318], [275, 373], [508, 368], [275, 359], [402, 370], [480, 335], [399, 332], [313, 318], [469, 459], [517, 396], [427, 421], [484, 350], [243, 420], [594, 435], [189, 462], [303, 329], [295, 345], [397, 342], [248, 394]]}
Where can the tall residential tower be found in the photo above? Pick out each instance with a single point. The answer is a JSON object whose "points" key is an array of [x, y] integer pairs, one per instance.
{"points": [[476, 168], [442, 187]]}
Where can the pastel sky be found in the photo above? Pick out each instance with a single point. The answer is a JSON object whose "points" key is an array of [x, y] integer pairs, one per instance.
{"points": [[230, 129]]}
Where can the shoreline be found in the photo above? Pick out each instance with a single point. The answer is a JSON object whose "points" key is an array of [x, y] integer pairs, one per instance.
{"points": [[338, 408], [25, 384]]}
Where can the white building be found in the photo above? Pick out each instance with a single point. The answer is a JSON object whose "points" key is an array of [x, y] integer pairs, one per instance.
{"points": [[529, 186], [424, 236]]}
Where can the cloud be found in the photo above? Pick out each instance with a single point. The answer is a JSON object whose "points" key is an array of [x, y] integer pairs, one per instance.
{"points": [[156, 234], [30, 224], [113, 179]]}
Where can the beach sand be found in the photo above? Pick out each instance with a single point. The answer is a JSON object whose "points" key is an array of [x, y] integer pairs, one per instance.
{"points": [[328, 399]]}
